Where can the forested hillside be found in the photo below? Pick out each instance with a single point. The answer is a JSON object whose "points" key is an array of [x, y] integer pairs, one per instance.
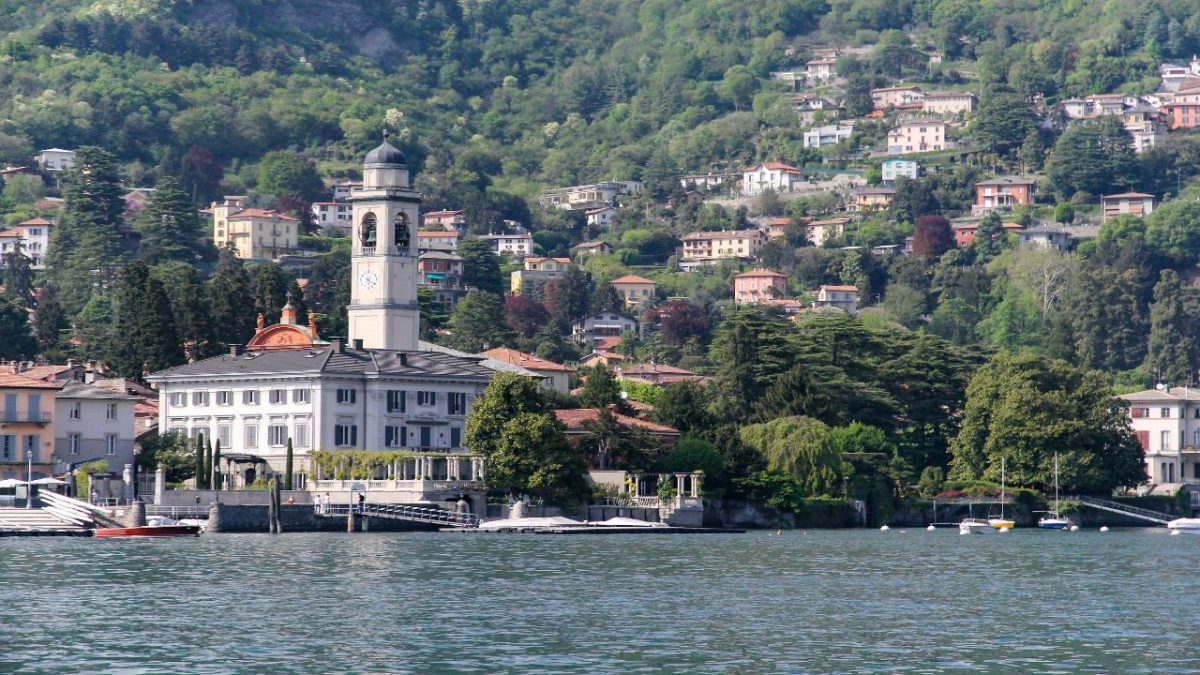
{"points": [[514, 95]]}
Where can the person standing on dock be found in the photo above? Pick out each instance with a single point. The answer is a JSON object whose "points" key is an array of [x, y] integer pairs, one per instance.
{"points": [[362, 503]]}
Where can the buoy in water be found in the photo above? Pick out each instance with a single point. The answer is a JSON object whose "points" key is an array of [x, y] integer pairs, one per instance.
{"points": [[1074, 528], [1174, 532], [1002, 530], [1104, 529], [931, 528], [884, 528]]}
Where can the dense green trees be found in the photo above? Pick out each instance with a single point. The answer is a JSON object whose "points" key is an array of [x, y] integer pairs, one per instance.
{"points": [[283, 173], [169, 224], [477, 323], [1094, 158], [143, 338], [481, 267], [86, 245], [1026, 408], [231, 298]]}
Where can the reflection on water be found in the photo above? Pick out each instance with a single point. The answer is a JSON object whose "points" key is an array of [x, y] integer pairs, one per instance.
{"points": [[847, 601]]}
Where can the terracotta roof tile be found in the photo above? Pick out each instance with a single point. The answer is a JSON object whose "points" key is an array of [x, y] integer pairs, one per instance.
{"points": [[632, 279], [15, 381], [528, 361], [574, 418]]}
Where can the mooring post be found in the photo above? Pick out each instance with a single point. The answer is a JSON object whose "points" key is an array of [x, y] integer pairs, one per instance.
{"points": [[214, 517]]}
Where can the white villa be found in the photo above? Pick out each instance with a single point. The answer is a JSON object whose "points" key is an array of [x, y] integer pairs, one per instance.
{"points": [[832, 134], [769, 176], [1166, 423]]}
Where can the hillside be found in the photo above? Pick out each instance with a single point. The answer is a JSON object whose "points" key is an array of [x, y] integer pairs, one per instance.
{"points": [[520, 94]]}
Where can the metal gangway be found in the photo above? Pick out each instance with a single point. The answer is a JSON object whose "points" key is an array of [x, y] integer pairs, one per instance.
{"points": [[1124, 509], [409, 512], [75, 511]]}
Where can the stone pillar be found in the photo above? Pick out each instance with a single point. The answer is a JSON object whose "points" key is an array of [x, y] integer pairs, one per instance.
{"points": [[160, 483], [482, 476], [696, 485], [214, 517], [517, 510], [135, 515], [127, 484]]}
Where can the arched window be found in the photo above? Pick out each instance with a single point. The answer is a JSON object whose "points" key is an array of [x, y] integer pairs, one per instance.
{"points": [[366, 233], [400, 230]]}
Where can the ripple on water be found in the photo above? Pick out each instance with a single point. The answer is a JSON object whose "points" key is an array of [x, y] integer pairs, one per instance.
{"points": [[848, 601]]}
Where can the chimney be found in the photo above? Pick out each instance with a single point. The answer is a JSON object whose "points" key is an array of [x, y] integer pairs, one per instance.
{"points": [[358, 344], [403, 359], [235, 350], [338, 344]]}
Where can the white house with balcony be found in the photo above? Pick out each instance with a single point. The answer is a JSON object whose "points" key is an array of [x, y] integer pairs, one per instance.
{"points": [[832, 134], [1166, 423], [769, 176], [55, 160]]}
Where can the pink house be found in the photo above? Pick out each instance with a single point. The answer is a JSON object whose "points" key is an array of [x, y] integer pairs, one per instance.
{"points": [[757, 286]]}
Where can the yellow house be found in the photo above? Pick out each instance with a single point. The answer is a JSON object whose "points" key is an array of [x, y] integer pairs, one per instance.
{"points": [[26, 426], [538, 268], [254, 233], [634, 289], [873, 199]]}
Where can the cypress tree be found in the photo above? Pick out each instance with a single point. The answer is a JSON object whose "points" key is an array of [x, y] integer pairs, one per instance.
{"points": [[168, 223], [16, 340], [295, 295], [86, 237], [208, 464], [49, 321], [199, 451], [231, 297], [287, 470], [216, 466]]}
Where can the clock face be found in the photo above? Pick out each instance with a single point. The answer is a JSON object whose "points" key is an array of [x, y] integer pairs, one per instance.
{"points": [[368, 279]]}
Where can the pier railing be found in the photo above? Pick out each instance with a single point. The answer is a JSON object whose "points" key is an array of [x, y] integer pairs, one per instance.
{"points": [[416, 514], [1123, 509]]}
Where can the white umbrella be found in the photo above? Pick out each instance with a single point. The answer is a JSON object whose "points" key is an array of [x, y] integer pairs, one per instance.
{"points": [[11, 483], [49, 481]]}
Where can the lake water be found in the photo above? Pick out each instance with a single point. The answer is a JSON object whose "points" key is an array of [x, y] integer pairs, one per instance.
{"points": [[838, 601]]}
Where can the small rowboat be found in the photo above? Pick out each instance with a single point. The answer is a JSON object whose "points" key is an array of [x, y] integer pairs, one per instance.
{"points": [[149, 531]]}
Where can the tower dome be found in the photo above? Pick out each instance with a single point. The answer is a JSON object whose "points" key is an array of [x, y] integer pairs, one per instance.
{"points": [[386, 153]]}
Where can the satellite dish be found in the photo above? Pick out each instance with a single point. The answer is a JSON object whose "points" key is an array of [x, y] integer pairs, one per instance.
{"points": [[1160, 386]]}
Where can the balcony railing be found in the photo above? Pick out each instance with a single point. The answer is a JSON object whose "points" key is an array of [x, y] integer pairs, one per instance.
{"points": [[11, 417]]}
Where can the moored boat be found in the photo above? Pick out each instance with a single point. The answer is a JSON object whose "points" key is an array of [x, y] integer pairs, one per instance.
{"points": [[975, 526], [1189, 525], [1002, 523], [1052, 520], [149, 531]]}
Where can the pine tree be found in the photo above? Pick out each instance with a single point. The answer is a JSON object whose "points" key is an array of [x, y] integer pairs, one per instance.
{"points": [[147, 340], [481, 267], [854, 273], [18, 276], [189, 307], [49, 321], [1173, 346], [86, 242], [208, 465], [287, 467], [270, 291], [232, 300], [16, 340], [168, 223]]}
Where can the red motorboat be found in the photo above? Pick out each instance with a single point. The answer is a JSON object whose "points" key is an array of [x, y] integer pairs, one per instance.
{"points": [[149, 531]]}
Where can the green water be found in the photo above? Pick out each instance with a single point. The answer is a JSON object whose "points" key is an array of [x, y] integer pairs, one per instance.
{"points": [[842, 601]]}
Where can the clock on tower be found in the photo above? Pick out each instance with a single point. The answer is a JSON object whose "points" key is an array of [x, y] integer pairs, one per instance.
{"points": [[384, 312]]}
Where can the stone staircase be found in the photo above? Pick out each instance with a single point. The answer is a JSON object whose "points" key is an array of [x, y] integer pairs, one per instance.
{"points": [[18, 521]]}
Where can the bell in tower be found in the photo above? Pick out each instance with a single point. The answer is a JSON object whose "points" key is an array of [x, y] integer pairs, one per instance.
{"points": [[384, 312]]}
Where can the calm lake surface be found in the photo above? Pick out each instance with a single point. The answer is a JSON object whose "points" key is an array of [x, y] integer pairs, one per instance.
{"points": [[840, 601]]}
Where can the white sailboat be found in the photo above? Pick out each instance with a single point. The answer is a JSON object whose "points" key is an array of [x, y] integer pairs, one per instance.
{"points": [[1052, 520], [1002, 523]]}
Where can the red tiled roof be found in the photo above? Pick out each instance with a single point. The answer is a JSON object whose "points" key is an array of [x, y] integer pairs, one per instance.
{"points": [[606, 354], [435, 214], [259, 213], [573, 419], [439, 233], [11, 232], [632, 279], [821, 62], [43, 372], [780, 221], [724, 234], [774, 166], [15, 381], [827, 287], [593, 244], [654, 369], [759, 273], [607, 343], [1128, 195], [528, 361], [36, 221]]}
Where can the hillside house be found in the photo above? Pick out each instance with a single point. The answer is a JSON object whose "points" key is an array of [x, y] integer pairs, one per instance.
{"points": [[538, 269], [588, 197], [832, 134], [55, 160], [596, 327], [886, 98], [446, 220], [635, 290], [343, 189], [917, 136], [33, 235], [445, 241], [706, 248], [441, 273], [895, 167], [1047, 237], [755, 286], [255, 234], [821, 231], [844, 298], [555, 376], [1002, 194], [588, 248], [1127, 203], [949, 103], [964, 233], [708, 181], [601, 217], [510, 244], [769, 176], [820, 70], [872, 199], [1166, 424], [332, 214]]}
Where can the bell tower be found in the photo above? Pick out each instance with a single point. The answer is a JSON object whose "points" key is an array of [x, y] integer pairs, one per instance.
{"points": [[384, 312]]}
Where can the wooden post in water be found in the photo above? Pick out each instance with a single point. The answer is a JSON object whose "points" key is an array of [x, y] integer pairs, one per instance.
{"points": [[273, 507]]}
